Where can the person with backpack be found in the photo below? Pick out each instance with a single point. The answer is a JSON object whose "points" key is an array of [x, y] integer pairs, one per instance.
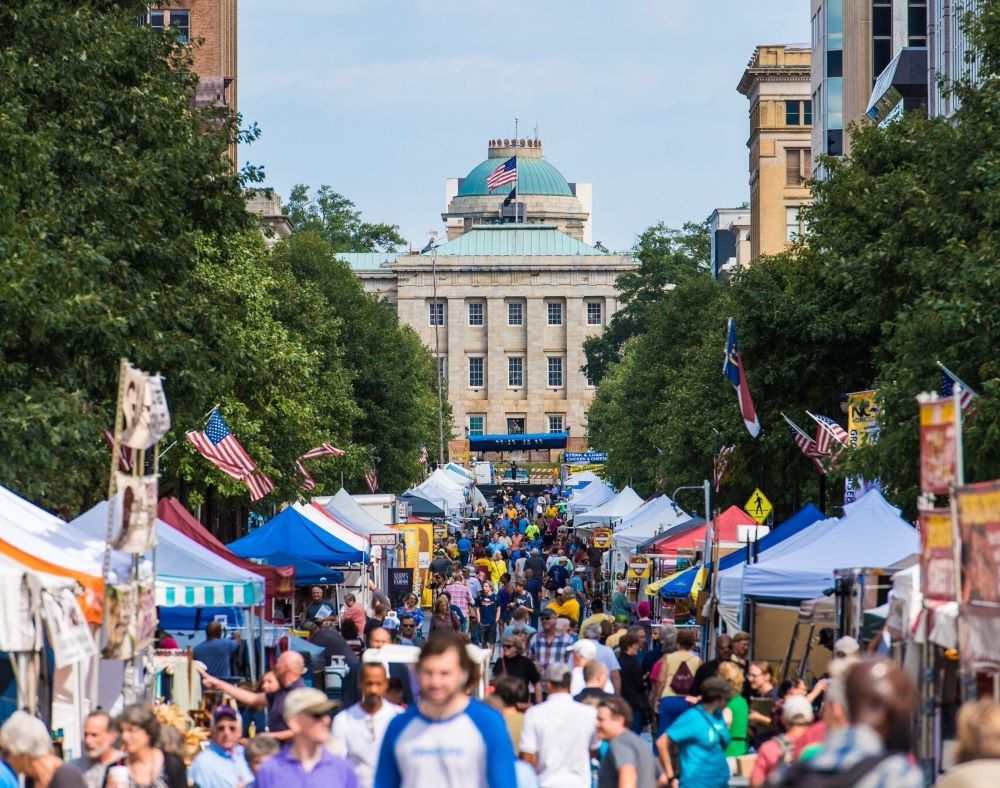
{"points": [[701, 738], [778, 754], [675, 679]]}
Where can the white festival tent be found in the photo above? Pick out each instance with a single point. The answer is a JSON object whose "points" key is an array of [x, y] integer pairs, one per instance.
{"points": [[441, 488], [581, 479], [619, 507], [346, 509], [458, 474], [652, 518], [871, 534], [594, 494]]}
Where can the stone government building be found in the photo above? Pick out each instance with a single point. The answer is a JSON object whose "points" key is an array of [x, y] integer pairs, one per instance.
{"points": [[514, 301]]}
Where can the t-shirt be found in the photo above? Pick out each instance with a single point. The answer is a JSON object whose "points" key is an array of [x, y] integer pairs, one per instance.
{"points": [[94, 772], [560, 732], [213, 767], [738, 727], [67, 776], [487, 606], [673, 664], [321, 609], [521, 667], [701, 740], [7, 777], [217, 654], [597, 618], [464, 545], [471, 748], [627, 749], [577, 683], [357, 735], [971, 774], [276, 707]]}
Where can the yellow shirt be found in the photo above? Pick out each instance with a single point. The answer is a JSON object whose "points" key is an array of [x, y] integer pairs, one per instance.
{"points": [[673, 664], [497, 569], [569, 609], [597, 618]]}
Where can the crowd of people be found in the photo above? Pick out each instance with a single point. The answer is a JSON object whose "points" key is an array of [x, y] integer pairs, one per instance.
{"points": [[584, 689]]}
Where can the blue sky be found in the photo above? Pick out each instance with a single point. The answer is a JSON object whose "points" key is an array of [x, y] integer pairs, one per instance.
{"points": [[383, 99]]}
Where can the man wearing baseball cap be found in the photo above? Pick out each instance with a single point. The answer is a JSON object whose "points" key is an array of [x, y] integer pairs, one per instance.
{"points": [[549, 646], [583, 651], [558, 735], [223, 763], [305, 762]]}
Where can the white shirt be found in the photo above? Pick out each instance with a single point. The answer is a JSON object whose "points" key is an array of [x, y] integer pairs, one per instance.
{"points": [[578, 682], [560, 732], [357, 736]]}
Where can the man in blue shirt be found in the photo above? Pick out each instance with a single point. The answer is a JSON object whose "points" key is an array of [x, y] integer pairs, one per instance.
{"points": [[464, 548], [217, 653], [223, 763], [446, 739]]}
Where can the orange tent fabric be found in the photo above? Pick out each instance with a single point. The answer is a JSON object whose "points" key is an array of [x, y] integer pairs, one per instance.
{"points": [[92, 598]]}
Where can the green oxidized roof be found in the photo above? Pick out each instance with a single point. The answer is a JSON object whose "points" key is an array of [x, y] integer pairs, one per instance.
{"points": [[534, 176], [511, 240]]}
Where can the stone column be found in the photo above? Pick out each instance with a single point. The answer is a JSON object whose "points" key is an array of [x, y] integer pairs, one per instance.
{"points": [[458, 369], [496, 365], [576, 381], [535, 366]]}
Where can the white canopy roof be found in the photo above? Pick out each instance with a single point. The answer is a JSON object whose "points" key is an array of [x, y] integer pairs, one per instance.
{"points": [[581, 478], [870, 534], [342, 505], [440, 487], [623, 504], [653, 517], [594, 494]]}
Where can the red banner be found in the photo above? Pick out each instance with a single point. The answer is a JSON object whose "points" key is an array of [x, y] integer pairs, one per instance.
{"points": [[979, 524], [937, 446], [937, 555]]}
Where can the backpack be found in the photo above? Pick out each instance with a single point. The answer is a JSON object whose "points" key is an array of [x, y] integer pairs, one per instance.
{"points": [[799, 774], [682, 681]]}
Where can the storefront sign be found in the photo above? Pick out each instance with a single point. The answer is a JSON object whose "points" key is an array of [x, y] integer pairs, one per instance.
{"points": [[585, 456], [384, 540], [937, 445], [979, 526], [937, 556]]}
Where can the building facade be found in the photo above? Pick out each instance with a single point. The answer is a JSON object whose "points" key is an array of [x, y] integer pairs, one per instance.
{"points": [[504, 305], [729, 240], [948, 52], [777, 84]]}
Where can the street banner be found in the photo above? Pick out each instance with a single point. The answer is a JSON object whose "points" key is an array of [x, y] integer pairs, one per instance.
{"points": [[979, 528], [937, 555], [144, 408], [938, 450], [400, 584], [862, 427], [135, 514], [69, 634], [458, 452]]}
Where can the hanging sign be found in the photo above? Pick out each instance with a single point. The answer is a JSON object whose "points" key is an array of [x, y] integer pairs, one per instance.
{"points": [[937, 445], [69, 634], [758, 506], [638, 568], [937, 555], [144, 408], [135, 513], [979, 526], [602, 538]]}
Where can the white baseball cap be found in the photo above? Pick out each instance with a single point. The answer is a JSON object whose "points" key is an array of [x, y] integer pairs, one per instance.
{"points": [[586, 649]]}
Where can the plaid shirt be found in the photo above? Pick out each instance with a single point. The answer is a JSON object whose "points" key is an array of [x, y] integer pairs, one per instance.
{"points": [[848, 746], [460, 597], [544, 652]]}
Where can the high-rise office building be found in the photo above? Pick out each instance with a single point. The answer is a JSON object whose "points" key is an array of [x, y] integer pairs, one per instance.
{"points": [[776, 82], [948, 51]]}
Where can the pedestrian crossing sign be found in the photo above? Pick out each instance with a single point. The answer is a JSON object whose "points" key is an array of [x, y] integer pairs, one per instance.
{"points": [[759, 507]]}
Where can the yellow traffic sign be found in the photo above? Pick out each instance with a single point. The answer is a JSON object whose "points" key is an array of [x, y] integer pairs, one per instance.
{"points": [[759, 507]]}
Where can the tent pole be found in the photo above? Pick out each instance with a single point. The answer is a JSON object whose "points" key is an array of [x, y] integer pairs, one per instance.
{"points": [[250, 645], [805, 654], [791, 648], [260, 645]]}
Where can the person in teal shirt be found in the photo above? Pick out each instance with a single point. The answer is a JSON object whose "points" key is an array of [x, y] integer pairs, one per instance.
{"points": [[701, 737]]}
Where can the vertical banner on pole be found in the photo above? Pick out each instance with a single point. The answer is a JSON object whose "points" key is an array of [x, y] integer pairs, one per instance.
{"points": [[937, 562], [862, 427], [979, 528], [937, 446]]}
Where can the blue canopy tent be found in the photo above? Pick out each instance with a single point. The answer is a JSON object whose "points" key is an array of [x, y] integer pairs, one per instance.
{"points": [[291, 532], [307, 573], [680, 585], [525, 442]]}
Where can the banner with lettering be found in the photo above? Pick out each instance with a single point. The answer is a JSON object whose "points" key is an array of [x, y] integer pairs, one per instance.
{"points": [[937, 445], [937, 555]]}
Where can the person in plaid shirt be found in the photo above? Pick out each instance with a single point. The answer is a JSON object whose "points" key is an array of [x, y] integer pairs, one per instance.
{"points": [[459, 593], [549, 646]]}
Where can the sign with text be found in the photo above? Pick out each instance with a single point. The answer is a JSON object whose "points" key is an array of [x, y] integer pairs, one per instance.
{"points": [[602, 538], [384, 540], [938, 451], [400, 584], [144, 408], [585, 456], [937, 556], [979, 528], [638, 568]]}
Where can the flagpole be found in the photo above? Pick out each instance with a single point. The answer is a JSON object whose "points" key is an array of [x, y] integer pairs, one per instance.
{"points": [[517, 173], [203, 420]]}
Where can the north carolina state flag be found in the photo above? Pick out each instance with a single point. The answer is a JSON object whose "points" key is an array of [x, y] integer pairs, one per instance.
{"points": [[732, 369]]}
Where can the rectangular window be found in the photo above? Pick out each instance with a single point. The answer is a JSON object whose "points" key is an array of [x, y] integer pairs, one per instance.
{"points": [[807, 113], [515, 425], [556, 423], [796, 166], [794, 228], [595, 314], [555, 313], [791, 113], [156, 20], [477, 425], [555, 372], [476, 313], [475, 372], [180, 22], [515, 371], [435, 313], [835, 63], [515, 313], [881, 36], [443, 370], [916, 23]]}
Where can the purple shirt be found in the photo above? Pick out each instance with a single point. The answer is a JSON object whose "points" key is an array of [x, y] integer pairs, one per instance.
{"points": [[284, 770]]}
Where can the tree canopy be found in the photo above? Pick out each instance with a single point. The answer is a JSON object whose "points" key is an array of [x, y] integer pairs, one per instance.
{"points": [[334, 217], [899, 271]]}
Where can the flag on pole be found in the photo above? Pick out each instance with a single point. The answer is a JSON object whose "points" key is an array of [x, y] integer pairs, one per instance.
{"points": [[807, 445], [323, 450], [720, 464], [502, 175], [124, 453], [219, 446], [732, 369], [371, 479], [828, 429], [423, 455], [947, 387]]}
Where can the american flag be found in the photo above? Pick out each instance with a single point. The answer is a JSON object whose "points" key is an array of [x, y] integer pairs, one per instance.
{"points": [[423, 455], [371, 479], [323, 450], [947, 387], [218, 445], [807, 445], [502, 175], [124, 453], [720, 464], [828, 429]]}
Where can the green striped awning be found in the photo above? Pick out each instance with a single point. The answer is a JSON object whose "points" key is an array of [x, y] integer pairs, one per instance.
{"points": [[192, 592]]}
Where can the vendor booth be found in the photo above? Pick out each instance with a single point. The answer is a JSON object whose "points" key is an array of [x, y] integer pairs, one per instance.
{"points": [[291, 532], [617, 508]]}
